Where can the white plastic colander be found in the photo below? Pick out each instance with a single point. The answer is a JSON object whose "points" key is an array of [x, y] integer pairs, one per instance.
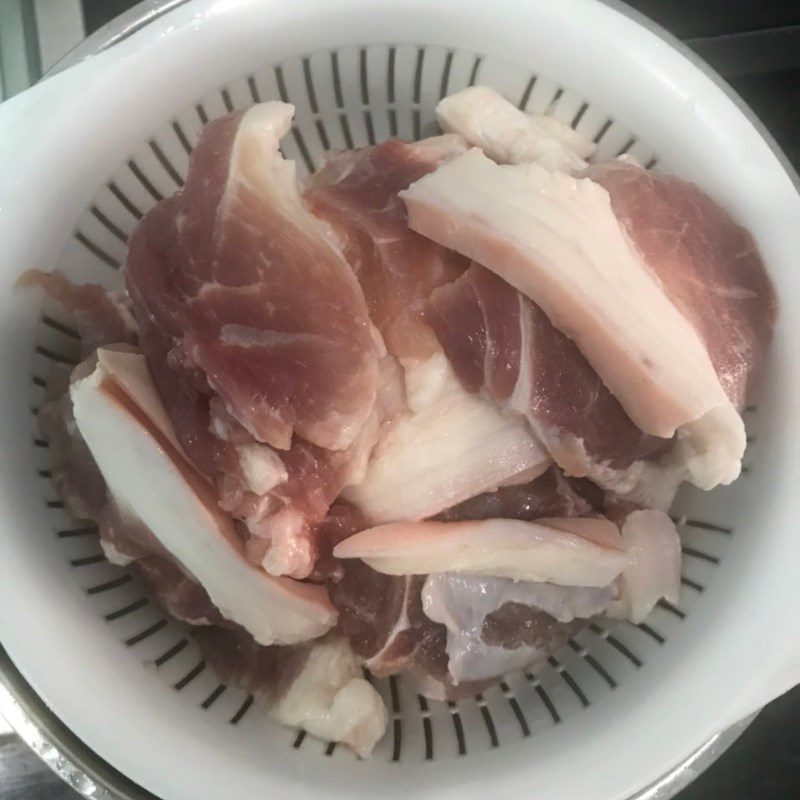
{"points": [[84, 155]]}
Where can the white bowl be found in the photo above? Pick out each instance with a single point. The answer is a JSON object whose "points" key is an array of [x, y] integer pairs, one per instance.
{"points": [[90, 149]]}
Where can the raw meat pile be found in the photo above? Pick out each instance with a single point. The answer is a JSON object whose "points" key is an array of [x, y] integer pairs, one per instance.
{"points": [[424, 414]]}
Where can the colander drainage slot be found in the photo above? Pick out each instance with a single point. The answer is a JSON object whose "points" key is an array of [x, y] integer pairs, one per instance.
{"points": [[147, 632]]}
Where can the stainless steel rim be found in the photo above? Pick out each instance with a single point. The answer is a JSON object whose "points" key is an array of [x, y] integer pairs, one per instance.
{"points": [[79, 765]]}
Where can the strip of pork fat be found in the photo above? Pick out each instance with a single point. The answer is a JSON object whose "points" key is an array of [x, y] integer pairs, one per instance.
{"points": [[567, 551], [653, 571], [451, 445], [510, 136], [317, 686], [556, 239]]}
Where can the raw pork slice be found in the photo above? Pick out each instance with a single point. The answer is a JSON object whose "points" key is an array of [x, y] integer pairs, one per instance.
{"points": [[178, 595], [257, 336], [382, 618], [449, 446], [317, 686], [100, 317], [557, 240], [356, 192], [253, 292], [510, 136], [570, 552], [708, 265], [280, 496], [151, 482], [497, 625], [502, 345]]}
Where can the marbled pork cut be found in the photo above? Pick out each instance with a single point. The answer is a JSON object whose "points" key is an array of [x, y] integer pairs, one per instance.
{"points": [[380, 615], [556, 239], [254, 293], [356, 192], [255, 330], [502, 345], [707, 264]]}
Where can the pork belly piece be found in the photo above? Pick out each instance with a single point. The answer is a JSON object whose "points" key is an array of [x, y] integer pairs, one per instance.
{"points": [[570, 552], [556, 239], [253, 293], [497, 625], [450, 446], [510, 136], [503, 346], [708, 265], [151, 481], [317, 686], [356, 192], [103, 320]]}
